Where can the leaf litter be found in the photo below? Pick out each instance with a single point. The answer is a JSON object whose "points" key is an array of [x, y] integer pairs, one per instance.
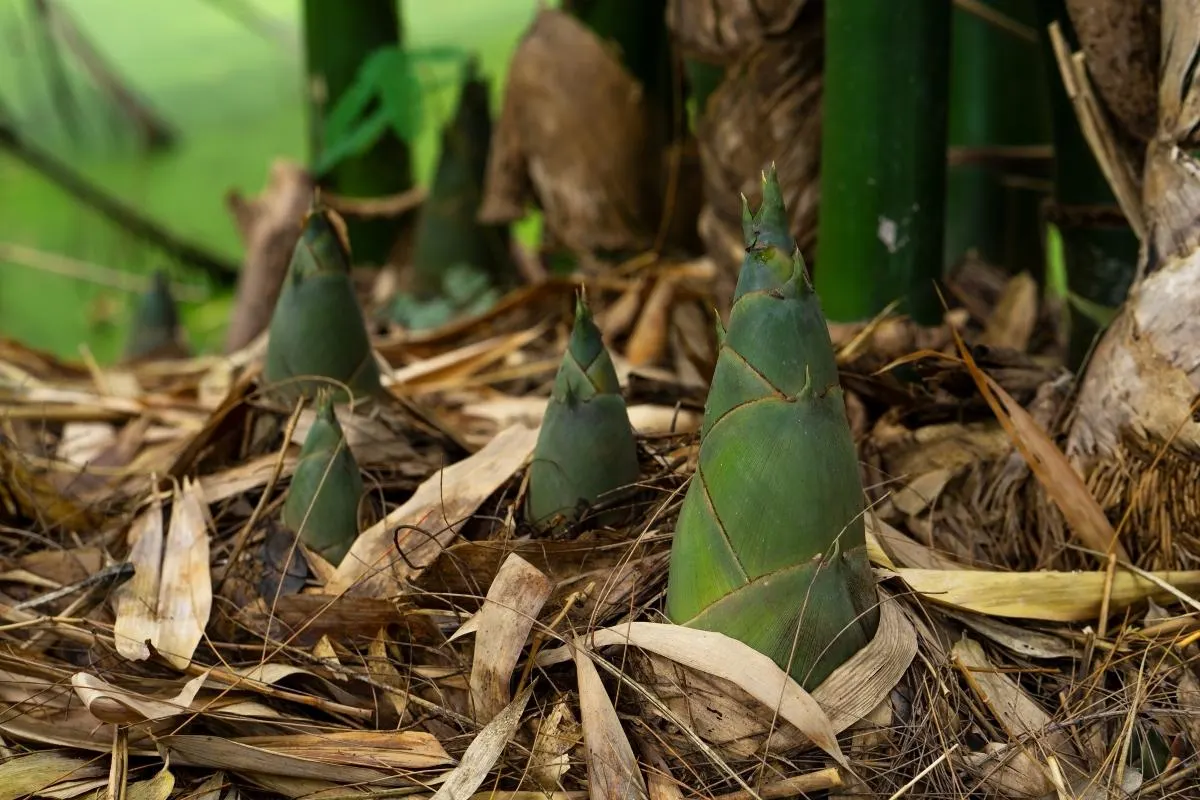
{"points": [[455, 653]]}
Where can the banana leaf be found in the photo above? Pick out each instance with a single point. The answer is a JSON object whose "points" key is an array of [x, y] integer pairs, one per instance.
{"points": [[586, 446], [317, 329], [323, 500], [770, 547]]}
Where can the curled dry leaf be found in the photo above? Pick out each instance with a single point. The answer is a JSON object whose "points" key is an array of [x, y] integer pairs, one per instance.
{"points": [[1052, 596], [110, 703], [501, 628], [430, 520], [613, 771], [851, 691]]}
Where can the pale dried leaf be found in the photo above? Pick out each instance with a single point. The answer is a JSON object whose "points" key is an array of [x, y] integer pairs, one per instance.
{"points": [[136, 601], [511, 607], [613, 771], [484, 750], [109, 703], [434, 513], [185, 593], [727, 658], [851, 692], [1052, 596]]}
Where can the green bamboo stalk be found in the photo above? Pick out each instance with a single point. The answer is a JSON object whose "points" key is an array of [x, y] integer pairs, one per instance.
{"points": [[883, 157], [323, 499], [770, 546], [339, 37], [585, 447], [1100, 250], [998, 96], [317, 328]]}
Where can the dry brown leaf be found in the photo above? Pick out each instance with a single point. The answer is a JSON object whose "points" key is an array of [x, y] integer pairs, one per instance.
{"points": [[380, 668], [397, 750], [1008, 770], [612, 768], [1052, 596], [337, 760], [648, 342], [432, 515], [1052, 469], [185, 590], [1014, 316], [1024, 721], [110, 703], [501, 628], [484, 750], [557, 735]]}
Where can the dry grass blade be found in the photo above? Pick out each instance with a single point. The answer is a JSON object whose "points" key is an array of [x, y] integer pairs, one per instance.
{"points": [[501, 628], [1052, 469], [613, 771], [1051, 596], [430, 519], [40, 772], [109, 703], [484, 751]]}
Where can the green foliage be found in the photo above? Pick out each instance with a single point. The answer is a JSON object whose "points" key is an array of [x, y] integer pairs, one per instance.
{"points": [[387, 94]]}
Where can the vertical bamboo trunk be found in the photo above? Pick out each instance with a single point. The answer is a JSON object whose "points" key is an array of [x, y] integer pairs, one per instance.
{"points": [[1099, 248], [883, 157], [338, 37], [999, 96]]}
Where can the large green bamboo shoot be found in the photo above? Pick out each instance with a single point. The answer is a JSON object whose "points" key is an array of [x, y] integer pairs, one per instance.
{"points": [[317, 329], [586, 445], [770, 546], [322, 506], [883, 157]]}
